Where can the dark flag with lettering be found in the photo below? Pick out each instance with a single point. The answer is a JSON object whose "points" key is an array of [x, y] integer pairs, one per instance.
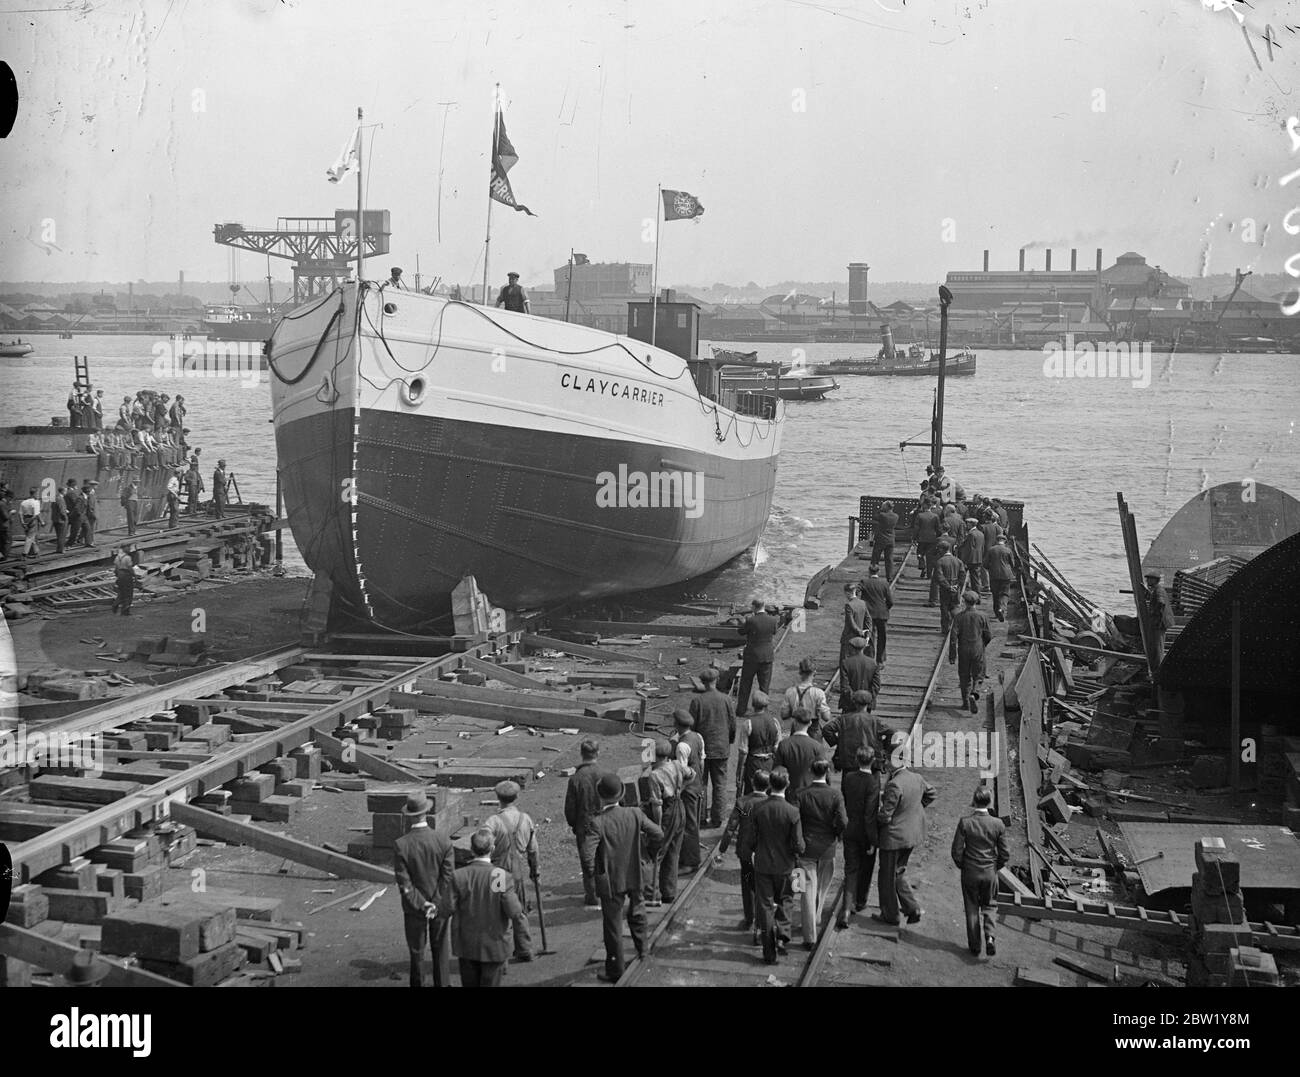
{"points": [[680, 206], [503, 160]]}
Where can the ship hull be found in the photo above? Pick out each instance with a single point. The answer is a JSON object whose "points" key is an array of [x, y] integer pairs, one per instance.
{"points": [[516, 461]]}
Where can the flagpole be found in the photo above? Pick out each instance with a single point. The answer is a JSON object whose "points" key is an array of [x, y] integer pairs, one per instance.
{"points": [[487, 239], [569, 297], [361, 242], [654, 299]]}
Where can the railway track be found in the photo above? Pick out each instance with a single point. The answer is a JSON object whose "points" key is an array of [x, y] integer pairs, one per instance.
{"points": [[698, 942]]}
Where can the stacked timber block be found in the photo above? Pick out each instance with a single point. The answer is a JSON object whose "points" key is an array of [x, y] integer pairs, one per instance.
{"points": [[254, 795], [28, 906], [387, 823], [393, 723], [1219, 923], [56, 789], [307, 758], [192, 941], [180, 651], [209, 735], [287, 783], [73, 893]]}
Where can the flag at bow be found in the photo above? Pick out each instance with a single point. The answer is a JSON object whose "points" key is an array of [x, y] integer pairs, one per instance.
{"points": [[680, 206], [503, 160], [349, 159]]}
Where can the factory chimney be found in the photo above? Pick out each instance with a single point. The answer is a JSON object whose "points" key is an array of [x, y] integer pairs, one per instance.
{"points": [[1022, 259], [1098, 259], [986, 261], [1074, 259], [1048, 266], [858, 287]]}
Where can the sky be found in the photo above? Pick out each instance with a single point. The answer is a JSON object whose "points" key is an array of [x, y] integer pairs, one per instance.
{"points": [[907, 135]]}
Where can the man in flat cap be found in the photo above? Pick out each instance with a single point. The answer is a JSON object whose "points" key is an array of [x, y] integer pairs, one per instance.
{"points": [[90, 491], [689, 748], [423, 862], [484, 904], [667, 780], [715, 721], [1161, 613], [581, 806], [623, 835], [514, 845], [1000, 568], [972, 554], [951, 574], [512, 296], [970, 635], [220, 494], [758, 734], [858, 672]]}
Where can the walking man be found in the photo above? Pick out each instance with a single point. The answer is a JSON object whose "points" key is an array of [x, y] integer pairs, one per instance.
{"points": [[424, 862], [193, 487], [220, 495], [807, 697], [823, 820], [925, 530], [970, 635], [979, 849], [622, 834], [851, 730], [859, 672], [775, 844], [883, 546], [689, 746], [759, 734], [715, 721], [514, 846], [794, 756], [861, 790], [667, 780], [484, 903], [856, 621], [741, 827], [1001, 571], [581, 806], [173, 497], [1162, 614], [59, 521], [879, 597], [972, 555], [759, 630], [950, 572], [901, 823]]}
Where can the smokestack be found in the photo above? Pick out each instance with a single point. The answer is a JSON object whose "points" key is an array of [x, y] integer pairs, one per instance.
{"points": [[1022, 259], [1098, 259], [1048, 265], [1074, 259], [986, 261]]}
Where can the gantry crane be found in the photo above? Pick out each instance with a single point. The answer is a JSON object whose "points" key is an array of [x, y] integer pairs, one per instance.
{"points": [[323, 249]]}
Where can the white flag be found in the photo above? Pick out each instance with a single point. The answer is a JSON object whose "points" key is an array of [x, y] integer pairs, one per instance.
{"points": [[349, 159]]}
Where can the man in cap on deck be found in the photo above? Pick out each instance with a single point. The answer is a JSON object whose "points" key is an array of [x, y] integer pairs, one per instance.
{"points": [[623, 835], [424, 863], [514, 838], [1162, 614], [512, 296]]}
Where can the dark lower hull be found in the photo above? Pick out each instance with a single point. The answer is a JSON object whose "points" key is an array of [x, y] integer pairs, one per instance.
{"points": [[258, 330], [516, 508]]}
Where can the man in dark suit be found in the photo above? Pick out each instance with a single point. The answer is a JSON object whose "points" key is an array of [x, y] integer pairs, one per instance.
{"points": [[581, 806], [979, 849], [484, 904], [861, 789], [759, 630], [852, 729], [901, 820], [879, 597], [622, 835], [858, 672], [822, 819], [856, 622], [883, 544], [741, 827], [775, 845], [925, 530], [950, 572], [1001, 571], [796, 753], [423, 862], [972, 554], [715, 722], [1159, 611], [970, 635]]}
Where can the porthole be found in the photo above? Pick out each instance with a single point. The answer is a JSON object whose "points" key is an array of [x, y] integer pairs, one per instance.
{"points": [[390, 308], [413, 390]]}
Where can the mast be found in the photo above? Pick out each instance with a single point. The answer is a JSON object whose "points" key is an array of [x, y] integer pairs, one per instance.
{"points": [[569, 297], [654, 288], [936, 443], [492, 163], [361, 244]]}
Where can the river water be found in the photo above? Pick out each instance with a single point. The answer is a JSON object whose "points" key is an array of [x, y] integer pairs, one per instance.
{"points": [[1062, 445]]}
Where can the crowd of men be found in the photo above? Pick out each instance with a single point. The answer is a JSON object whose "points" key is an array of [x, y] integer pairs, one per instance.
{"points": [[147, 442]]}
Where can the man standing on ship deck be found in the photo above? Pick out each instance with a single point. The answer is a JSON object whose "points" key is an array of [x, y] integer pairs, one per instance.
{"points": [[512, 296]]}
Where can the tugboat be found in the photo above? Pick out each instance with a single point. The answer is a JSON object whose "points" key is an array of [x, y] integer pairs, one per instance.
{"points": [[15, 349]]}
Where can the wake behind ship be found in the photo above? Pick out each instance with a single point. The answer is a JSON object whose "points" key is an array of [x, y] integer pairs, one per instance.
{"points": [[422, 439]]}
